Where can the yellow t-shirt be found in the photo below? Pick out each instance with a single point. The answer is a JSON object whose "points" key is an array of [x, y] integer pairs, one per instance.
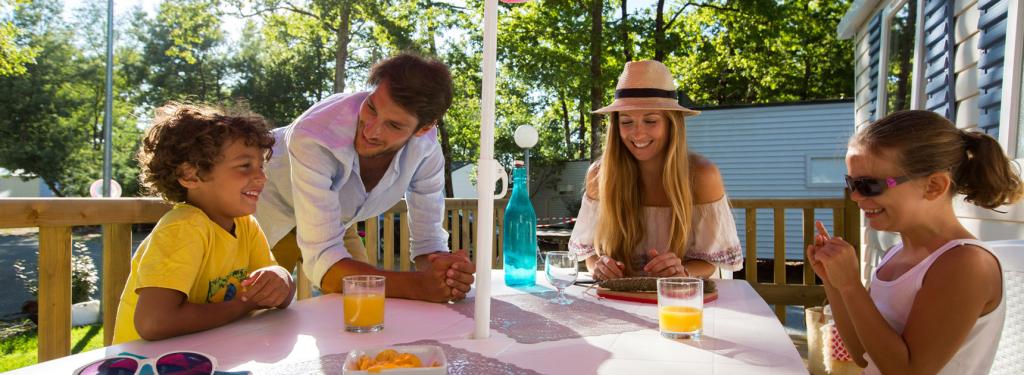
{"points": [[190, 253]]}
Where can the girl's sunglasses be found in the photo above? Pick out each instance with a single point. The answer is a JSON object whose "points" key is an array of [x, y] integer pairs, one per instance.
{"points": [[870, 187], [173, 363]]}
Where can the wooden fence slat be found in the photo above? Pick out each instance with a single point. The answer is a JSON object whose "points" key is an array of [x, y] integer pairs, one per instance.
{"points": [[808, 239], [303, 285], [372, 243], [780, 257], [403, 240], [54, 292], [838, 223], [851, 220], [117, 264], [389, 241], [456, 233], [467, 232], [751, 236]]}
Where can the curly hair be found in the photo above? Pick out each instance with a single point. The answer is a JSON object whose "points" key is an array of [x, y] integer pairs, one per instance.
{"points": [[191, 134]]}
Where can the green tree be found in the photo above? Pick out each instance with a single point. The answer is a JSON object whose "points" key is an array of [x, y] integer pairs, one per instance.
{"points": [[53, 127], [183, 54], [283, 67], [14, 55], [760, 51]]}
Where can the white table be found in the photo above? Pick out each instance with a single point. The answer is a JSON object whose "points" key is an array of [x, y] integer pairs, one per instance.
{"points": [[741, 336]]}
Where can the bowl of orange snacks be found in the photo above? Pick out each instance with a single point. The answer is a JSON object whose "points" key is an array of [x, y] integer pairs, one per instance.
{"points": [[395, 360]]}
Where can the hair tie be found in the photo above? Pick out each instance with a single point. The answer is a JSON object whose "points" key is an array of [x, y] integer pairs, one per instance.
{"points": [[971, 142]]}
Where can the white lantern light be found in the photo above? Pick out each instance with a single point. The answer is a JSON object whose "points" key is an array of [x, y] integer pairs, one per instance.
{"points": [[525, 136]]}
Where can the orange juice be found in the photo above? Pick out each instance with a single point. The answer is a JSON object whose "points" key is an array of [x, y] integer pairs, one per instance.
{"points": [[364, 310], [680, 318]]}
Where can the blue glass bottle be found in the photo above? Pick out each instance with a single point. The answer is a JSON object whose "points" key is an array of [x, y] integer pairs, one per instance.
{"points": [[519, 240]]}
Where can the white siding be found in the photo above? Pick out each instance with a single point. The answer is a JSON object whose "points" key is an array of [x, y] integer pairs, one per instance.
{"points": [[762, 153], [986, 224], [550, 202]]}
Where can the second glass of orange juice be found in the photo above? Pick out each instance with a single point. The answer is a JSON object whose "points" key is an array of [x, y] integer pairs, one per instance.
{"points": [[681, 307], [364, 303]]}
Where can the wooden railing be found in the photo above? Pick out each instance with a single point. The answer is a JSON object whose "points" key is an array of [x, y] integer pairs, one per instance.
{"points": [[55, 218], [845, 222]]}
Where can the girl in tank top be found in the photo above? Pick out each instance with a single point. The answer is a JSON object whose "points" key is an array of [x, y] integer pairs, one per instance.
{"points": [[936, 300]]}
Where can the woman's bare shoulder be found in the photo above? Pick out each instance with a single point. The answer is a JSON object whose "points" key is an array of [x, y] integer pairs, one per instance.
{"points": [[707, 180], [593, 180]]}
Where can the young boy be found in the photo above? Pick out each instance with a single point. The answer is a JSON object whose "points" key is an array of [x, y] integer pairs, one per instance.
{"points": [[207, 261]]}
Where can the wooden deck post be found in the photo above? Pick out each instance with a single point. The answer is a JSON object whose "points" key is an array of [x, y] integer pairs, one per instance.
{"points": [[303, 286], [780, 258], [117, 264], [54, 292]]}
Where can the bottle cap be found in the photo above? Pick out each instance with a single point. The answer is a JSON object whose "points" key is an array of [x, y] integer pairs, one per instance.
{"points": [[519, 163]]}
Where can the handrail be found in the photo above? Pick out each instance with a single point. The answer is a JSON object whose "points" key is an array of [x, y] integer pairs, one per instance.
{"points": [[55, 218]]}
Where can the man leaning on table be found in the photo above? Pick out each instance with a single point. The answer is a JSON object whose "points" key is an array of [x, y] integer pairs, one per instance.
{"points": [[351, 157]]}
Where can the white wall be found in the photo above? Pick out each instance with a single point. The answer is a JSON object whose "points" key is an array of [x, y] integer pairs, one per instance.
{"points": [[986, 224], [15, 187]]}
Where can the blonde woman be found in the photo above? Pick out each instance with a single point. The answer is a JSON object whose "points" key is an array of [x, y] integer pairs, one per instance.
{"points": [[652, 208]]}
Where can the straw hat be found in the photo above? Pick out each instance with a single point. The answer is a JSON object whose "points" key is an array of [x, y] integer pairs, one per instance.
{"points": [[646, 85]]}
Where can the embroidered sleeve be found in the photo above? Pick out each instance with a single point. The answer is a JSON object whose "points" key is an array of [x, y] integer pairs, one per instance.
{"points": [[581, 242], [714, 238]]}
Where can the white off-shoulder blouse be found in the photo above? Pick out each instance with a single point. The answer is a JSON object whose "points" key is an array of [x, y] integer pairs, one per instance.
{"points": [[712, 237]]}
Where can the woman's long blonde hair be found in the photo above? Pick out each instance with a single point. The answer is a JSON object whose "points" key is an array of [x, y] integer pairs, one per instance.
{"points": [[620, 224]]}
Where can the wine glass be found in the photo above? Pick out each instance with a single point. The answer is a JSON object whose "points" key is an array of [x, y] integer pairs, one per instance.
{"points": [[560, 268]]}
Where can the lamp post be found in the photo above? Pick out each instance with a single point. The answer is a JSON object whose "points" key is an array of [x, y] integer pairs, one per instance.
{"points": [[108, 106], [526, 138]]}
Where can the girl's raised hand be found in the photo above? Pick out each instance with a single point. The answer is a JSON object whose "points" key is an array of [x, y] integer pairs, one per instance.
{"points": [[834, 260], [819, 241]]}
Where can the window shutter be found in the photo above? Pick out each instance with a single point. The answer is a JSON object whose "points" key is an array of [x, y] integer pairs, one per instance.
{"points": [[939, 47], [874, 47], [992, 24]]}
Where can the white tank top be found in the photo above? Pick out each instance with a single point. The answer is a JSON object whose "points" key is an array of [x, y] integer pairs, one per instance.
{"points": [[895, 298]]}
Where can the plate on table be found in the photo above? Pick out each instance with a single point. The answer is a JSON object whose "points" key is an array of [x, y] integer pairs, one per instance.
{"points": [[643, 297], [648, 290], [431, 357]]}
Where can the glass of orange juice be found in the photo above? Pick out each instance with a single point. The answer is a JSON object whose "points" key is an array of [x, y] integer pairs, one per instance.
{"points": [[681, 307], [364, 303]]}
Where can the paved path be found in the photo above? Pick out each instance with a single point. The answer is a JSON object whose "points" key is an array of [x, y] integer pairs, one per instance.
{"points": [[22, 244]]}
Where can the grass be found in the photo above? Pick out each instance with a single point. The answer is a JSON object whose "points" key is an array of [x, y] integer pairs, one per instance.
{"points": [[21, 350]]}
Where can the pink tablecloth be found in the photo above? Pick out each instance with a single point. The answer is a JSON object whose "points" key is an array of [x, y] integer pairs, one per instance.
{"points": [[742, 336]]}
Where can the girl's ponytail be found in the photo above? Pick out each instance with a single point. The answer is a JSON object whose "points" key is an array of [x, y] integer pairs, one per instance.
{"points": [[986, 176]]}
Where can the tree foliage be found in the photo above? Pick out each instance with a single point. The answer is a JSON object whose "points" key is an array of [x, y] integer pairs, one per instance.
{"points": [[14, 52], [557, 61], [54, 126]]}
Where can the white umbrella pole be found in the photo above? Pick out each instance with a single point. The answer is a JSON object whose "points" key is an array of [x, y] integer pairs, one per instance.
{"points": [[486, 167]]}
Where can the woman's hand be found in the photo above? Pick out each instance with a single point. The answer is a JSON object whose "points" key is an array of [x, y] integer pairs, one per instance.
{"points": [[607, 268], [664, 265]]}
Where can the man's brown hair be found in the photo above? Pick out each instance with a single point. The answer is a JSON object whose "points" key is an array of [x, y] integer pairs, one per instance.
{"points": [[190, 134], [419, 85]]}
